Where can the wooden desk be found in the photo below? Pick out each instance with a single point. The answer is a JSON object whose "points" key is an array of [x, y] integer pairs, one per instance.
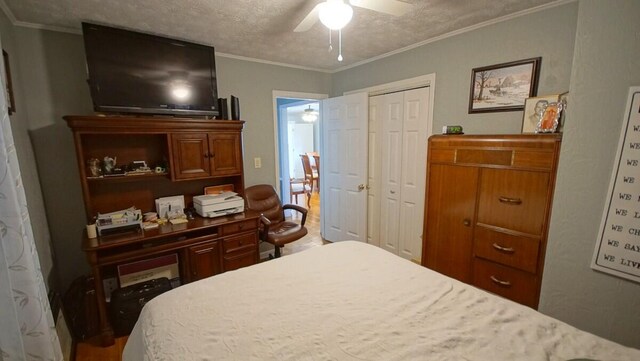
{"points": [[205, 247]]}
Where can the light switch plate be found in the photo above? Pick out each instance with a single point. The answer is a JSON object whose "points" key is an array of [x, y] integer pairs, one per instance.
{"points": [[257, 162]]}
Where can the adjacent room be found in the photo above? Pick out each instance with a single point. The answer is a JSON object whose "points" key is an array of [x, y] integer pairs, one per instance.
{"points": [[320, 179]]}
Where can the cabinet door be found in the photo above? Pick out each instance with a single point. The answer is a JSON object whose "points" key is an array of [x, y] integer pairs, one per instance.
{"points": [[204, 261], [190, 154], [226, 153], [451, 198]]}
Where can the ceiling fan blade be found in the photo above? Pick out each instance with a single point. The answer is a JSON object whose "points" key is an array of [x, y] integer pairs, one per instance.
{"points": [[310, 20], [391, 7]]}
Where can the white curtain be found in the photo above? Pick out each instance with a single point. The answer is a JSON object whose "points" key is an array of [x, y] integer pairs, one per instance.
{"points": [[27, 330]]}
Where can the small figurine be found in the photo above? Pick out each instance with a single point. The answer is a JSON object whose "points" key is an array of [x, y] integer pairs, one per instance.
{"points": [[94, 167], [108, 164]]}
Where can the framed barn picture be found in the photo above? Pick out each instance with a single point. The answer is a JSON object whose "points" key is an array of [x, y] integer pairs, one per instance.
{"points": [[503, 87]]}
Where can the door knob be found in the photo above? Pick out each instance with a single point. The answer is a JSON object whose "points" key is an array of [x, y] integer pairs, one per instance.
{"points": [[466, 222], [360, 187]]}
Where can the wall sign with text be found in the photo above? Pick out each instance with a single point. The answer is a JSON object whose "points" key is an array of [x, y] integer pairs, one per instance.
{"points": [[618, 246]]}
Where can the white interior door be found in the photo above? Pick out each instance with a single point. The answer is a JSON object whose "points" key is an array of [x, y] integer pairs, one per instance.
{"points": [[414, 170], [392, 114], [402, 119], [375, 163], [343, 158], [300, 142]]}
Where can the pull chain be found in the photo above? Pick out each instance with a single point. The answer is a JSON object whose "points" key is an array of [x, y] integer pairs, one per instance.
{"points": [[330, 46], [340, 45]]}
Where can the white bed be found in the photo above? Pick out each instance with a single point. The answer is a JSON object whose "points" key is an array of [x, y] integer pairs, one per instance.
{"points": [[350, 301]]}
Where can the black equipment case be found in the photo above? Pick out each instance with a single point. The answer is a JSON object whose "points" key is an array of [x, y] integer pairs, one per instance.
{"points": [[127, 302]]}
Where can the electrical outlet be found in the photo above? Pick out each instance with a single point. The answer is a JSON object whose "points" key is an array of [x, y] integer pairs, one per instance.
{"points": [[257, 162], [110, 285]]}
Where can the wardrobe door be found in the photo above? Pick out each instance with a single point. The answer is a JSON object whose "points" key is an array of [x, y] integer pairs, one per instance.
{"points": [[451, 198]]}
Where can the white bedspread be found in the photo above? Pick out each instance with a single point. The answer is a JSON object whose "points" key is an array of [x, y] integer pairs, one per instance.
{"points": [[350, 301]]}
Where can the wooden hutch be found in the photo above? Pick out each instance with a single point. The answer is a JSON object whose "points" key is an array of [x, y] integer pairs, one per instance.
{"points": [[193, 153]]}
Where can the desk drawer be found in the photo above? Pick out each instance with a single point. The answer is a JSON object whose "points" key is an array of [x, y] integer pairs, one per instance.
{"points": [[242, 243], [235, 261], [507, 282], [509, 250], [237, 227], [513, 199]]}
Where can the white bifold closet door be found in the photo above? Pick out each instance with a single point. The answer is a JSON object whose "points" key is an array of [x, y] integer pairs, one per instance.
{"points": [[397, 170]]}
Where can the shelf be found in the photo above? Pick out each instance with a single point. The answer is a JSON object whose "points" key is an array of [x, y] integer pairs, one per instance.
{"points": [[126, 178]]}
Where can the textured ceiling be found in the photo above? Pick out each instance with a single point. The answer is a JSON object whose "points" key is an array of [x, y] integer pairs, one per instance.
{"points": [[263, 29]]}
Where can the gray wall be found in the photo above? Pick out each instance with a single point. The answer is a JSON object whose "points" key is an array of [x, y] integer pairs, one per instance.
{"points": [[26, 157], [549, 34], [253, 83], [605, 64]]}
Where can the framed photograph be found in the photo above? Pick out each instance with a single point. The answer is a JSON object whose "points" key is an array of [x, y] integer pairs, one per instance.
{"points": [[534, 109], [503, 87], [563, 99], [9, 86]]}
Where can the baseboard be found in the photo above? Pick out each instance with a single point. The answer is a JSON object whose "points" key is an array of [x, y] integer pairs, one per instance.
{"points": [[67, 343], [264, 255]]}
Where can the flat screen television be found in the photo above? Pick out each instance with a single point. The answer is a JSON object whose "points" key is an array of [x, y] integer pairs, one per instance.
{"points": [[131, 72]]}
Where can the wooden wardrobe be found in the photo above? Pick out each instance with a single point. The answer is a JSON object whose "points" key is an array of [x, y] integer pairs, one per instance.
{"points": [[488, 208]]}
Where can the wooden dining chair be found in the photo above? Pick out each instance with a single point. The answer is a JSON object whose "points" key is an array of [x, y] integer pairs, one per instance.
{"points": [[316, 158], [311, 156], [299, 186], [309, 174]]}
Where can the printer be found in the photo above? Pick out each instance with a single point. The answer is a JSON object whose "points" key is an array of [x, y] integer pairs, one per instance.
{"points": [[222, 204]]}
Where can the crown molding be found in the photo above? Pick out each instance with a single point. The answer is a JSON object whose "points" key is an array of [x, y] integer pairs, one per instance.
{"points": [[8, 12]]}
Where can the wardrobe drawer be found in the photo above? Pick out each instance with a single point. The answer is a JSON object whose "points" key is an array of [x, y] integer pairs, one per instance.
{"points": [[245, 242], [505, 281], [506, 249], [513, 199]]}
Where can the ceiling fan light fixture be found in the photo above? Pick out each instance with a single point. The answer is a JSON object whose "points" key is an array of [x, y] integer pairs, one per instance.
{"points": [[310, 115], [335, 14]]}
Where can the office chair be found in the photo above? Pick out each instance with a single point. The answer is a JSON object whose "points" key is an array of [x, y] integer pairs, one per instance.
{"points": [[275, 229]]}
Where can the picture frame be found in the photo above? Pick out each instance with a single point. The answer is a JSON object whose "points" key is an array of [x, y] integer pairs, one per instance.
{"points": [[530, 117], [550, 118], [503, 87], [563, 99], [11, 105], [213, 190]]}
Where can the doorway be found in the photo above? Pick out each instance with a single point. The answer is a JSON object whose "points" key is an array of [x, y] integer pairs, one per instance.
{"points": [[297, 124]]}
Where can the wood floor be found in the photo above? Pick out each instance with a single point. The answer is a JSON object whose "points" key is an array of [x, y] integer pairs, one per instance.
{"points": [[92, 351]]}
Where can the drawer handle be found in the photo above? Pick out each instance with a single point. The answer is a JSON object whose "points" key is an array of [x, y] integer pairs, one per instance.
{"points": [[501, 283], [507, 200], [241, 226], [503, 249]]}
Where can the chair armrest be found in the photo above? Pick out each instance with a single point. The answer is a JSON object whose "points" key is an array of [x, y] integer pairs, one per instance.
{"points": [[266, 224], [299, 209]]}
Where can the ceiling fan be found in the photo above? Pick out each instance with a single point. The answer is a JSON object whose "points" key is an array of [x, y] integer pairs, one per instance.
{"points": [[335, 14]]}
